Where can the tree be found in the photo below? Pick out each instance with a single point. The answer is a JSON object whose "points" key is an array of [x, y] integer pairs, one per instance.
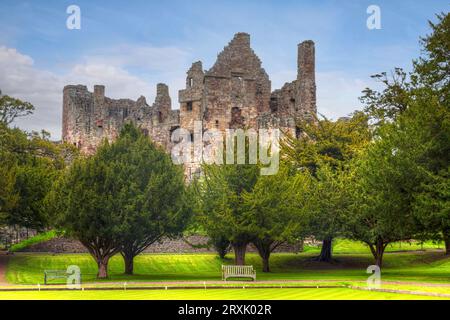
{"points": [[221, 244], [83, 204], [222, 205], [8, 197], [12, 108], [270, 213], [395, 98], [380, 191], [432, 69], [331, 144], [150, 193], [216, 238], [427, 126], [122, 199], [33, 163], [432, 130], [327, 205], [32, 183], [415, 105], [432, 206]]}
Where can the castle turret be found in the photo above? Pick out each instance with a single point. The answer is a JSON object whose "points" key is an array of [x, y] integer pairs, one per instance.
{"points": [[99, 93], [306, 81], [163, 103], [195, 76], [74, 115], [191, 108], [99, 105]]}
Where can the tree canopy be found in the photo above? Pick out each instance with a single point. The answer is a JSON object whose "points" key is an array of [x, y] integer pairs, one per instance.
{"points": [[122, 199]]}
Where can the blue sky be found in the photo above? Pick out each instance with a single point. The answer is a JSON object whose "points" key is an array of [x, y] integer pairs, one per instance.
{"points": [[131, 45]]}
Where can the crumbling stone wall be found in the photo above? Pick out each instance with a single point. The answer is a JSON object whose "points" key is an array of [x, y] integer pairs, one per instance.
{"points": [[237, 88], [88, 117], [234, 93], [306, 80], [188, 244]]}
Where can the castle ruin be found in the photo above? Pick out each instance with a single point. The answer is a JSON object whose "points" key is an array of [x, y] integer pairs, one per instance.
{"points": [[234, 93]]}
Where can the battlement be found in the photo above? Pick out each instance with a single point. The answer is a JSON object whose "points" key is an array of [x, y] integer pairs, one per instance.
{"points": [[162, 89]]}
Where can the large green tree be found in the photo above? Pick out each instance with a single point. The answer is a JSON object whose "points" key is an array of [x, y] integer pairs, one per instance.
{"points": [[222, 212], [8, 196], [83, 204], [432, 69], [122, 199], [151, 194], [331, 144], [414, 108], [427, 125], [432, 130], [380, 192], [271, 214], [327, 206], [31, 163]]}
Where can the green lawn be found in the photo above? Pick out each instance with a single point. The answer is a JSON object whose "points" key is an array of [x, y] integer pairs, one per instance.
{"points": [[220, 294], [42, 237], [429, 266], [349, 246]]}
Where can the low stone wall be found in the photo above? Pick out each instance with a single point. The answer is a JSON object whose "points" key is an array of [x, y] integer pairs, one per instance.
{"points": [[189, 244]]}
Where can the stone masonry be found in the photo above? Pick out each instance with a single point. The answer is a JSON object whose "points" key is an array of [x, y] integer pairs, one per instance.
{"points": [[234, 93], [187, 244]]}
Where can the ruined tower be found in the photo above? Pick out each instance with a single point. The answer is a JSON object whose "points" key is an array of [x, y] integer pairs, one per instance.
{"points": [[234, 93], [163, 103], [306, 80], [237, 88], [191, 98], [90, 117]]}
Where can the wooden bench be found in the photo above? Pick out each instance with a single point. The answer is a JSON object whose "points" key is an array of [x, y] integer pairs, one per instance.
{"points": [[238, 272], [54, 274]]}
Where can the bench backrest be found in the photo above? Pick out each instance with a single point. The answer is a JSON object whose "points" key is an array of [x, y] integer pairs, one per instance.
{"points": [[238, 269], [55, 273]]}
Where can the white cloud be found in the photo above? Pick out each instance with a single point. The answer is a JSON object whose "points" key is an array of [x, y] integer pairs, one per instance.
{"points": [[337, 92], [146, 58], [20, 78], [118, 82], [151, 64]]}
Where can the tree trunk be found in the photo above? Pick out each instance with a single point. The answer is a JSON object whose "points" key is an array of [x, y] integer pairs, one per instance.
{"points": [[325, 252], [221, 245], [239, 253], [129, 264], [264, 250], [265, 261], [102, 264], [128, 253], [378, 251], [446, 234]]}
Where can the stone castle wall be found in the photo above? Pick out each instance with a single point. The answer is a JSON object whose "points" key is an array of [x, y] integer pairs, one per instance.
{"points": [[234, 93], [188, 244]]}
